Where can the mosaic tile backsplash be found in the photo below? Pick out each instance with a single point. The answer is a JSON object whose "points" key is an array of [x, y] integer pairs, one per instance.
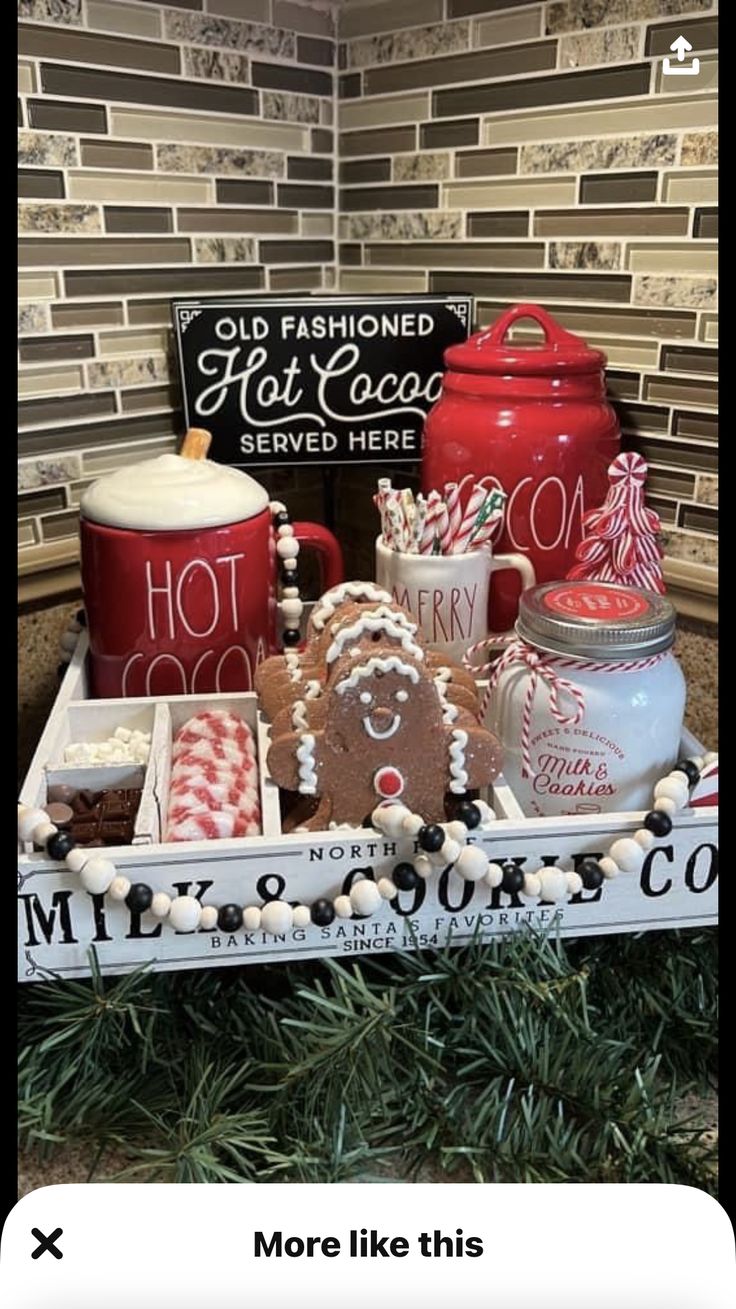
{"points": [[516, 151]]}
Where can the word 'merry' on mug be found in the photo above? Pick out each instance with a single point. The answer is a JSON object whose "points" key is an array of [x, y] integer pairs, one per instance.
{"points": [[179, 572], [447, 595]]}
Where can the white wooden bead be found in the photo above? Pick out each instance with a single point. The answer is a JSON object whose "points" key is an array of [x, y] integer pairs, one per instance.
{"points": [[628, 854], [98, 875], [289, 565], [365, 896], [276, 917], [290, 592], [342, 906], [710, 757], [302, 916], [532, 884], [185, 913], [386, 888], [457, 830], [287, 547], [665, 805], [450, 851], [608, 867], [161, 905], [674, 787], [69, 641], [277, 507], [76, 859], [494, 875], [574, 883], [118, 888], [285, 529], [252, 918], [209, 917], [699, 760], [472, 863], [42, 831], [554, 884], [644, 838], [292, 610], [378, 816], [487, 814], [392, 819], [413, 823], [422, 865]]}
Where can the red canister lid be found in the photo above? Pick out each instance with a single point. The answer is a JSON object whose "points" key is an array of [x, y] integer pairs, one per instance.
{"points": [[490, 352]]}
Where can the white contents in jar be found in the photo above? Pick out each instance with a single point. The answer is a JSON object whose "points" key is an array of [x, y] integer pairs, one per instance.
{"points": [[125, 746], [171, 493], [589, 702]]}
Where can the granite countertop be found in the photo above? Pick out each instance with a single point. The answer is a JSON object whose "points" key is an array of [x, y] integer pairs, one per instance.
{"points": [[38, 657]]}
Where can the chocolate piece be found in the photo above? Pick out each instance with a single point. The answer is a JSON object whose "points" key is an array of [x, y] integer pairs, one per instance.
{"points": [[105, 817], [59, 814]]}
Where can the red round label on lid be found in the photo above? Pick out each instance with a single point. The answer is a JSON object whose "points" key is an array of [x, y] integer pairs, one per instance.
{"points": [[593, 600]]}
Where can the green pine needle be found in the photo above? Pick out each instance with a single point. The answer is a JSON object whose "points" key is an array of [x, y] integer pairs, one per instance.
{"points": [[526, 1059]]}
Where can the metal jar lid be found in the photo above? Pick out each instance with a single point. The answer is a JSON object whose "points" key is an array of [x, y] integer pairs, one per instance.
{"points": [[596, 620]]}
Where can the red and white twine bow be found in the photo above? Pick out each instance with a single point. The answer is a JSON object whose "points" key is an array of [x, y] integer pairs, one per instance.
{"points": [[542, 668]]}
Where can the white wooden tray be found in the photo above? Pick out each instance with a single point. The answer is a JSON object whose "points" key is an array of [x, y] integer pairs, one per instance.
{"points": [[58, 921]]}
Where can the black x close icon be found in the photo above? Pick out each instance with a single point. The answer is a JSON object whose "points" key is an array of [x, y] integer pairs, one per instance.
{"points": [[47, 1243]]}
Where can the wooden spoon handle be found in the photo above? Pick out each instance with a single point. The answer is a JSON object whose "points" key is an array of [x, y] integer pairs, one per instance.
{"points": [[196, 443]]}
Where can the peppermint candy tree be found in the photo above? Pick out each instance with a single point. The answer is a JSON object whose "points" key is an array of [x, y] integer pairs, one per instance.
{"points": [[620, 537]]}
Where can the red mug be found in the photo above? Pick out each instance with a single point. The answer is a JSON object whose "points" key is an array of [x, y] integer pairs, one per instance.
{"points": [[183, 611]]}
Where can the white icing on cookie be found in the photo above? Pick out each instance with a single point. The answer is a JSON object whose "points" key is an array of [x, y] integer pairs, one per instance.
{"points": [[443, 674], [299, 721], [375, 733], [313, 689], [305, 756], [457, 761], [449, 711], [329, 602], [293, 666], [372, 621], [391, 664]]}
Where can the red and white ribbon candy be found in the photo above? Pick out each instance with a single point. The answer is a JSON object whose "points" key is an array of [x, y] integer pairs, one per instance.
{"points": [[214, 780]]}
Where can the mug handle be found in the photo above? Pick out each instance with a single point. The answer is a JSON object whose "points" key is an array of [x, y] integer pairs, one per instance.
{"points": [[521, 565], [326, 546]]}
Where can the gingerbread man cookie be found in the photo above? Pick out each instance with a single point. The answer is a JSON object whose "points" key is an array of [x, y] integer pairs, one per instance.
{"points": [[381, 730], [285, 678]]}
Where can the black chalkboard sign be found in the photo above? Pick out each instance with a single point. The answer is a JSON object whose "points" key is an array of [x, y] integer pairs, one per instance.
{"points": [[315, 380]]}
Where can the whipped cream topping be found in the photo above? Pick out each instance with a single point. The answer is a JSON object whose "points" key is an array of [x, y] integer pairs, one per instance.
{"points": [[171, 493]]}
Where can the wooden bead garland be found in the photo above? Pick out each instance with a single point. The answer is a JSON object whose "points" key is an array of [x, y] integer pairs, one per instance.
{"points": [[287, 549], [441, 845]]}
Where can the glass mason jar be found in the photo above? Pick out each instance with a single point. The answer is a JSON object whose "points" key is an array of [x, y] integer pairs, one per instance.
{"points": [[588, 702]]}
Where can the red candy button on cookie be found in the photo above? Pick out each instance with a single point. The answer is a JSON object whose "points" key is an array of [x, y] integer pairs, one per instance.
{"points": [[388, 783]]}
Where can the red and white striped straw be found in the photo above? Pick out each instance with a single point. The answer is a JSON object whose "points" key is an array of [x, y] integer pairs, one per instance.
{"points": [[476, 500]]}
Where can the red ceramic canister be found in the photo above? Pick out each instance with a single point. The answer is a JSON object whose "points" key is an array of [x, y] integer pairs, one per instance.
{"points": [[534, 417]]}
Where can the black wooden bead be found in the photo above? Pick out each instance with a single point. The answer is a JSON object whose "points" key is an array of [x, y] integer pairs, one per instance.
{"points": [[229, 917], [81, 617], [291, 636], [281, 519], [322, 913], [687, 767], [59, 845], [513, 878], [431, 838], [658, 822], [591, 874], [405, 877], [289, 578], [61, 670], [139, 897], [468, 813]]}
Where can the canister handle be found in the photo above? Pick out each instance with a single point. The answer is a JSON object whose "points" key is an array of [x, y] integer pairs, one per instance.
{"points": [[554, 335]]}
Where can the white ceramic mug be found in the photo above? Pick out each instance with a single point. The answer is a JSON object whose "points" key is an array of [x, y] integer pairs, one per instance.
{"points": [[447, 595]]}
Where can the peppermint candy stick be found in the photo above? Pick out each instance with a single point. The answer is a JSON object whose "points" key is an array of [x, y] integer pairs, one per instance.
{"points": [[470, 515], [420, 518], [454, 493], [489, 516], [429, 531]]}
